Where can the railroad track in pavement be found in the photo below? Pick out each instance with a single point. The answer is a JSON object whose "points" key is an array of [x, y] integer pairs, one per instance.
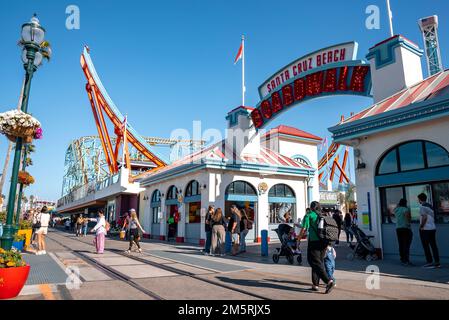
{"points": [[119, 276]]}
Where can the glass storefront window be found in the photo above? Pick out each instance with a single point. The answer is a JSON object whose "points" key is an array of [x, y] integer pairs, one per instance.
{"points": [[441, 200], [392, 197], [194, 212], [437, 196], [412, 193], [411, 156], [278, 210], [157, 214]]}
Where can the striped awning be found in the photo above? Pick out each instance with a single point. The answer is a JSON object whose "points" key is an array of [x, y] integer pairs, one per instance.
{"points": [[429, 88]]}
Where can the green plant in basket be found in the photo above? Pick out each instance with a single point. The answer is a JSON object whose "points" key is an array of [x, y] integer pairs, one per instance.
{"points": [[2, 217], [19, 237], [11, 258], [25, 225]]}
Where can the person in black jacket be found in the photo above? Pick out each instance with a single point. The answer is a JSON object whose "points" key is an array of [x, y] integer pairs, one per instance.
{"points": [[208, 229], [338, 219]]}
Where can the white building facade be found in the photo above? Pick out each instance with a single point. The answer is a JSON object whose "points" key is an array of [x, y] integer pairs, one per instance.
{"points": [[401, 146], [266, 175]]}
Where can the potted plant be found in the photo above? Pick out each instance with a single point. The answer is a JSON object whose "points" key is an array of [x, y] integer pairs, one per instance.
{"points": [[13, 273], [16, 123], [18, 241], [25, 178], [26, 229]]}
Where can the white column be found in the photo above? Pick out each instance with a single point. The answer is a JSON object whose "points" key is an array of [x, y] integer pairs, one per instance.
{"points": [[263, 211], [163, 225], [182, 222]]}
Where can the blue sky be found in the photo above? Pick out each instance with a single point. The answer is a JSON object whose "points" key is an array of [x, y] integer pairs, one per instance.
{"points": [[168, 63]]}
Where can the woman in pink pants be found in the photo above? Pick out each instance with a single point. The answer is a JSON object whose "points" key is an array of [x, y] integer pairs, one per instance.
{"points": [[100, 232]]}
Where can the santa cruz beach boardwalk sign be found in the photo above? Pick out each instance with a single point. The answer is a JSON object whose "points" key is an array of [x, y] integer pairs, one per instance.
{"points": [[330, 71]]}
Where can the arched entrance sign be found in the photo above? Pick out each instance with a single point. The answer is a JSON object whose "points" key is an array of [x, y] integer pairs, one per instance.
{"points": [[330, 71]]}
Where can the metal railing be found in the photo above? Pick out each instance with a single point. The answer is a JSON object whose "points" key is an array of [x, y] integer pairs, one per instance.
{"points": [[88, 189]]}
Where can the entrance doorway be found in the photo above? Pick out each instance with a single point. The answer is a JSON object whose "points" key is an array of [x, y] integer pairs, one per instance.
{"points": [[244, 196]]}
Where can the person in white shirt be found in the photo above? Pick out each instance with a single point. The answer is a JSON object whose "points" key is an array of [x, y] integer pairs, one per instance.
{"points": [[100, 232], [427, 232], [44, 219]]}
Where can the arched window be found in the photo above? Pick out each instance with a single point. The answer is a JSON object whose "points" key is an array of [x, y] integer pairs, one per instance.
{"points": [[413, 155], [156, 197], [172, 193], [193, 189], [241, 188], [281, 190], [155, 205], [409, 169], [281, 199], [193, 201], [302, 160]]}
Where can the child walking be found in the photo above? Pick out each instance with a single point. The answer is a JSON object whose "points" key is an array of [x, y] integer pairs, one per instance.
{"points": [[329, 261]]}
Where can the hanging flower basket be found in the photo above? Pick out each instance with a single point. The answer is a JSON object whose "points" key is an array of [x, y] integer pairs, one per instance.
{"points": [[13, 273], [16, 123], [25, 178]]}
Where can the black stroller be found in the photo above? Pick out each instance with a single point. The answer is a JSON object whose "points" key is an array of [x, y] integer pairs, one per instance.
{"points": [[285, 250], [363, 249]]}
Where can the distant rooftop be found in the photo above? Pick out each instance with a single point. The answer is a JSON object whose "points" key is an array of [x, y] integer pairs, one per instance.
{"points": [[291, 131]]}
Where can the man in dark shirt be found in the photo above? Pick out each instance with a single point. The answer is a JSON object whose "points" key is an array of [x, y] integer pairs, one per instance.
{"points": [[234, 228]]}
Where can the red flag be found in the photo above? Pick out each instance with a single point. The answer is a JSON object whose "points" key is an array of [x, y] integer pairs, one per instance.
{"points": [[239, 54]]}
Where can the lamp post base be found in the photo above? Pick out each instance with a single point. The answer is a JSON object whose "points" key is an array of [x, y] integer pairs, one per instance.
{"points": [[7, 237]]}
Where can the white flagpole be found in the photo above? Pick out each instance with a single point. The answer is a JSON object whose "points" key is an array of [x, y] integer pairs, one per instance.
{"points": [[243, 70], [124, 142], [390, 18]]}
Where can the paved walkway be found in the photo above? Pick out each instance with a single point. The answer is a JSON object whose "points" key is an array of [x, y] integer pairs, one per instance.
{"points": [[181, 271]]}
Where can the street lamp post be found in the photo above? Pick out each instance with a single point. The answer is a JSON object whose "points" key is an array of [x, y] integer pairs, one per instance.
{"points": [[19, 201], [32, 38]]}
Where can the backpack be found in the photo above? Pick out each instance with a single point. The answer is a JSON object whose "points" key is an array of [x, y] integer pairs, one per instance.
{"points": [[327, 228], [107, 226]]}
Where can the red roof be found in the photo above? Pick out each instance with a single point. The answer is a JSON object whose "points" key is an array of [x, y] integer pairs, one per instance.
{"points": [[424, 90], [291, 131], [221, 151]]}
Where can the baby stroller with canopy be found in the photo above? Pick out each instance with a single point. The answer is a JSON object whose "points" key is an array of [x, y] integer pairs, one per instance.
{"points": [[363, 249], [285, 250]]}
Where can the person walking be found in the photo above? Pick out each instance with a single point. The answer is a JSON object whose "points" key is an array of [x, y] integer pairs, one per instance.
{"points": [[208, 229], [79, 225], [427, 232], [403, 230], [218, 224], [329, 262], [44, 219], [85, 226], [245, 226], [316, 248], [100, 232], [234, 228], [337, 217], [347, 225], [134, 236]]}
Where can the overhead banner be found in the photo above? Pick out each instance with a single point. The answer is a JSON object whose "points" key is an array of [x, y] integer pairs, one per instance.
{"points": [[337, 53], [330, 71]]}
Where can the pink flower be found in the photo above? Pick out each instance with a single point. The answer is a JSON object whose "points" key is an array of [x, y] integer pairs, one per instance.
{"points": [[38, 133]]}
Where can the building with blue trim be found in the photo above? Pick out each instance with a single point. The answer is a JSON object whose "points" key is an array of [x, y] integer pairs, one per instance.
{"points": [[255, 171], [401, 146]]}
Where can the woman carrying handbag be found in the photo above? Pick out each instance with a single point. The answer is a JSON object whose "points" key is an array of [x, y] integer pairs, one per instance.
{"points": [[134, 227]]}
